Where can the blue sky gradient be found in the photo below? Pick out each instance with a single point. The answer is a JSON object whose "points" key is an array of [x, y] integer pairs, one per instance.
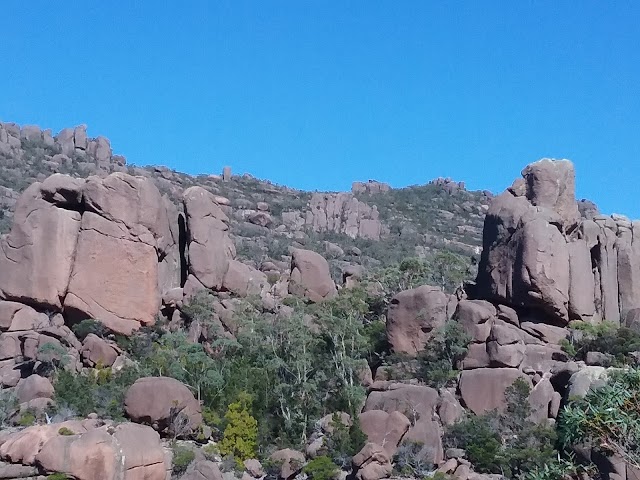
{"points": [[316, 95]]}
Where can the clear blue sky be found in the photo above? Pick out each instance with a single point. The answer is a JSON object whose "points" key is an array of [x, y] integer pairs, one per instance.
{"points": [[317, 94]]}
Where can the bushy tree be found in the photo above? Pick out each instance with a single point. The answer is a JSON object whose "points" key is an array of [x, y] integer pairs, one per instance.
{"points": [[321, 468], [440, 358], [241, 433], [344, 441]]}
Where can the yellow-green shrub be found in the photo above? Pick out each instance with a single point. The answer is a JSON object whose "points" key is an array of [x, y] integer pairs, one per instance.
{"points": [[241, 433]]}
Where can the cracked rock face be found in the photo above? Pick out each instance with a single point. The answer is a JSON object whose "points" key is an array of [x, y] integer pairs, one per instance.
{"points": [[210, 248], [90, 249]]}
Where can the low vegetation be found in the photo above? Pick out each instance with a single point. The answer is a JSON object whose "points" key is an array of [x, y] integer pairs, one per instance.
{"points": [[507, 442]]}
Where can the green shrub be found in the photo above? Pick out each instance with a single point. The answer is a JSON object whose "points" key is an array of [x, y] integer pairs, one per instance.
{"points": [[65, 431], [607, 418], [58, 476], [504, 442], [413, 460], [321, 468], [561, 469], [605, 337], [182, 458], [344, 441], [27, 419], [90, 325], [211, 451], [241, 433], [8, 406], [440, 358], [85, 394]]}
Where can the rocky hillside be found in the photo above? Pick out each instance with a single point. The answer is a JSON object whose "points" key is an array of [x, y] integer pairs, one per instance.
{"points": [[156, 325], [373, 225]]}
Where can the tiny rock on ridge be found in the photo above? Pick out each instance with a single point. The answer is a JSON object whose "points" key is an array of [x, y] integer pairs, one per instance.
{"points": [[238, 328]]}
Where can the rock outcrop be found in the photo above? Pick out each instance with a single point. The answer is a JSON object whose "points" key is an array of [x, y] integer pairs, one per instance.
{"points": [[414, 314], [539, 254], [89, 249], [69, 145], [91, 452], [343, 213]]}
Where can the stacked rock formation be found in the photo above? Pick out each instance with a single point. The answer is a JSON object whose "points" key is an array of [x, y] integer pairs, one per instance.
{"points": [[343, 213], [539, 254], [69, 143]]}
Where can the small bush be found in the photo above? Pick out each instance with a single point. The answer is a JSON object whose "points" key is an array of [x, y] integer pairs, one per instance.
{"points": [[182, 458], [8, 406], [504, 442], [85, 327], [27, 419], [440, 358], [211, 451], [607, 418], [321, 468], [344, 441], [58, 476], [240, 436], [65, 431], [412, 459], [605, 337]]}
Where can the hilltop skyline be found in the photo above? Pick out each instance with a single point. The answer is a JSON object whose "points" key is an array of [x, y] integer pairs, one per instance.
{"points": [[318, 96]]}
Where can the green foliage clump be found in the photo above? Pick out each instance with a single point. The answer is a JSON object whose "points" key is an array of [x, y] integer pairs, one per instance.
{"points": [[321, 468], [27, 419], [182, 458], [443, 352], [65, 431], [241, 433], [58, 476], [85, 393], [605, 337], [608, 418], [344, 441], [505, 442], [560, 469], [210, 451], [8, 406], [445, 269], [87, 326], [411, 460]]}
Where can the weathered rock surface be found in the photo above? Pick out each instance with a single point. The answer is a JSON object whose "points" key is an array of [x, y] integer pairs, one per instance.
{"points": [[414, 314], [97, 351], [310, 277], [158, 401], [209, 246], [90, 249], [419, 405], [483, 389], [203, 470], [123, 452], [291, 462], [540, 254]]}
